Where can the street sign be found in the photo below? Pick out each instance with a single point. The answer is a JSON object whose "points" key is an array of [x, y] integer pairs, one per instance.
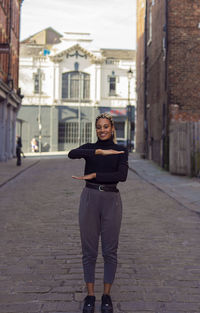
{"points": [[4, 48]]}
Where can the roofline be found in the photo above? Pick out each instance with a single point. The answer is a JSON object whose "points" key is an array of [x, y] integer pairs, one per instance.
{"points": [[40, 32], [117, 49], [76, 33]]}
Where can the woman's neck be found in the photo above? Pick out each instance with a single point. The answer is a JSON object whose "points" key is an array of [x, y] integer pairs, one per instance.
{"points": [[106, 142]]}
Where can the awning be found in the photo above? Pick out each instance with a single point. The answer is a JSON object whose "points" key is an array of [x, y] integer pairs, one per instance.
{"points": [[118, 112], [114, 112]]}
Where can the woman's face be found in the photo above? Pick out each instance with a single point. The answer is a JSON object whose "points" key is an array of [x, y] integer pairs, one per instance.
{"points": [[104, 129]]}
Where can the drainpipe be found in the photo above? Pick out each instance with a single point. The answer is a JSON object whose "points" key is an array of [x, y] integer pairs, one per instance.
{"points": [[19, 31], [145, 86], [165, 152], [10, 82], [166, 45]]}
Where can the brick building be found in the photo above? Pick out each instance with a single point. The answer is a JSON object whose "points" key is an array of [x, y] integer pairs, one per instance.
{"points": [[168, 66], [10, 98]]}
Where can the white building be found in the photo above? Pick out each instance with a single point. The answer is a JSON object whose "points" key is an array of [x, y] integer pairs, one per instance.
{"points": [[66, 82]]}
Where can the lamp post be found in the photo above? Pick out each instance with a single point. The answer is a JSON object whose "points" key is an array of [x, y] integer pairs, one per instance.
{"points": [[79, 110], [129, 111], [39, 107]]}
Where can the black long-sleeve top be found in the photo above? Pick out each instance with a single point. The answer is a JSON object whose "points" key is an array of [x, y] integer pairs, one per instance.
{"points": [[109, 169]]}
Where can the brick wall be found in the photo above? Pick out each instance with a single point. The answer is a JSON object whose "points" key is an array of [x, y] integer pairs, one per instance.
{"points": [[184, 59], [151, 75], [9, 33], [172, 66], [156, 80], [140, 135], [4, 8]]}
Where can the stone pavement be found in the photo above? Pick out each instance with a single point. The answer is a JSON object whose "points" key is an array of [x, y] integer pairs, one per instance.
{"points": [[9, 170], [185, 190], [40, 253]]}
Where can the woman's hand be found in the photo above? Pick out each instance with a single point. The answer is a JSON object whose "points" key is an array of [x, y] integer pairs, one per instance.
{"points": [[107, 152], [89, 176]]}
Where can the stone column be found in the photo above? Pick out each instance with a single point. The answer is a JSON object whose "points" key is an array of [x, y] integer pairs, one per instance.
{"points": [[8, 133], [14, 118], [54, 109], [53, 128], [2, 129], [57, 86]]}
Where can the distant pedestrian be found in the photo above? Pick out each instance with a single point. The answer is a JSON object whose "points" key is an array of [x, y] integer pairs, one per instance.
{"points": [[18, 150], [34, 145], [100, 210]]}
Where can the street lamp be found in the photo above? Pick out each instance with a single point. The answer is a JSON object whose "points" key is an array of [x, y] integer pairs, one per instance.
{"points": [[39, 107], [129, 111], [79, 109]]}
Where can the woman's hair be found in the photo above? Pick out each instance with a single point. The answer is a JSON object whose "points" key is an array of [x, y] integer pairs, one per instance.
{"points": [[108, 117]]}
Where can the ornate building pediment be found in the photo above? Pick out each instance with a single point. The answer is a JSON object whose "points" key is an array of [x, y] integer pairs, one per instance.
{"points": [[78, 52]]}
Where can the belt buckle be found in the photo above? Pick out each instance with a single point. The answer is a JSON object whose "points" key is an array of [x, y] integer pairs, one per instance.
{"points": [[100, 188]]}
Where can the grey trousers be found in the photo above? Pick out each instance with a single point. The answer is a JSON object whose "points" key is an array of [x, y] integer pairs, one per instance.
{"points": [[100, 214]]}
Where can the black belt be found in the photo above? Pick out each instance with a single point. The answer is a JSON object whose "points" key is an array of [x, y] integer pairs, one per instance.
{"points": [[99, 187]]}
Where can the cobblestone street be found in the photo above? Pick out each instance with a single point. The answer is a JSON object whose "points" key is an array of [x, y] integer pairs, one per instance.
{"points": [[40, 255]]}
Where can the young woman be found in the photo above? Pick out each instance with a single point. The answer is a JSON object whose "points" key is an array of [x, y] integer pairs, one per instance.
{"points": [[100, 210]]}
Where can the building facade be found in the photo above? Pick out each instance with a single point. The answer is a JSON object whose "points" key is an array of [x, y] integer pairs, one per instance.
{"points": [[67, 83], [10, 96], [140, 81], [168, 63]]}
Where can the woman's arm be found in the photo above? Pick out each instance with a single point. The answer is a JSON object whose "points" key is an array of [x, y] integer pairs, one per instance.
{"points": [[83, 151], [119, 175], [88, 176]]}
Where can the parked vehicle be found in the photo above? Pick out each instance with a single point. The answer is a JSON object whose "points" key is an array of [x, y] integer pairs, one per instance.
{"points": [[123, 142]]}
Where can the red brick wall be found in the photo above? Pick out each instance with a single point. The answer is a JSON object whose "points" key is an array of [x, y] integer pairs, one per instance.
{"points": [[140, 77], [4, 6], [157, 111], [9, 62], [184, 59], [172, 76], [156, 95]]}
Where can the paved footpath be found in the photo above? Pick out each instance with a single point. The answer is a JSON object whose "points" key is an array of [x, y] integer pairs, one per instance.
{"points": [[183, 189], [9, 169], [40, 259]]}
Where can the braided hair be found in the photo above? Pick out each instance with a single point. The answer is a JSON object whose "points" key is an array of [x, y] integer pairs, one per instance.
{"points": [[108, 117]]}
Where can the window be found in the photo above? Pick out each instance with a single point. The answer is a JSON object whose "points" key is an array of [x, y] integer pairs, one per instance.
{"points": [[120, 126], [61, 133], [150, 26], [110, 61], [37, 82], [76, 66], [112, 84], [76, 86], [112, 87], [86, 132], [68, 133]]}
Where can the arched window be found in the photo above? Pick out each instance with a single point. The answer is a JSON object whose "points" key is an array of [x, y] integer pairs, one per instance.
{"points": [[75, 86]]}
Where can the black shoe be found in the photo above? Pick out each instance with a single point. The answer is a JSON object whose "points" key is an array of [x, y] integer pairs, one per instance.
{"points": [[89, 304], [106, 304]]}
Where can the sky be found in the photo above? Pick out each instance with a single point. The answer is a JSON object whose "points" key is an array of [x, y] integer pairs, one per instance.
{"points": [[112, 23]]}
